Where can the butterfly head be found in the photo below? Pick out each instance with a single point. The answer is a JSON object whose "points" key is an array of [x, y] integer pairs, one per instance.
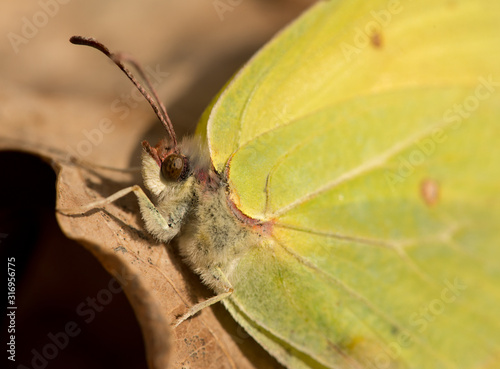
{"points": [[173, 165], [167, 169]]}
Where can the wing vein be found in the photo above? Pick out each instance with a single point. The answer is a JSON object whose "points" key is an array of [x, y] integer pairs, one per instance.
{"points": [[362, 299], [368, 166]]}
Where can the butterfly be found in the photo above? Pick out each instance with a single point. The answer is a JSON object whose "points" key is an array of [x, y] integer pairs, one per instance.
{"points": [[341, 193]]}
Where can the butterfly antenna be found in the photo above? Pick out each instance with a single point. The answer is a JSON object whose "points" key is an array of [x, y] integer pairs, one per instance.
{"points": [[118, 59]]}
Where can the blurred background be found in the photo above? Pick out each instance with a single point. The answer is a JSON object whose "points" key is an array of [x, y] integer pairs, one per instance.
{"points": [[50, 89]]}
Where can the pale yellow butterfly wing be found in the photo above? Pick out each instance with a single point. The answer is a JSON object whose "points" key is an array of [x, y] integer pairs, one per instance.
{"points": [[365, 133]]}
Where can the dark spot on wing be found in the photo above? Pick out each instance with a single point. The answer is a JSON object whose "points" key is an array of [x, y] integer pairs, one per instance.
{"points": [[376, 39], [429, 190]]}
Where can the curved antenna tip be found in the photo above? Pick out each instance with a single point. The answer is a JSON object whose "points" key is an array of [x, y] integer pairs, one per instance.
{"points": [[90, 41], [154, 101]]}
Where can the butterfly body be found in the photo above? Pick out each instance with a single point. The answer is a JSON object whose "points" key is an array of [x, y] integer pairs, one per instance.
{"points": [[197, 209]]}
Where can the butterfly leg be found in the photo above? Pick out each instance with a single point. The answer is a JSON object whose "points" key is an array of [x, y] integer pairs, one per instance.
{"points": [[228, 290], [101, 203], [154, 221]]}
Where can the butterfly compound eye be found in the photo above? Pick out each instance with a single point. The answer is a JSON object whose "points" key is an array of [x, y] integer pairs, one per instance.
{"points": [[174, 167]]}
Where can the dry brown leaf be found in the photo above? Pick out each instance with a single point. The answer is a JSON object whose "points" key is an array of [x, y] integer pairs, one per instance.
{"points": [[53, 101]]}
